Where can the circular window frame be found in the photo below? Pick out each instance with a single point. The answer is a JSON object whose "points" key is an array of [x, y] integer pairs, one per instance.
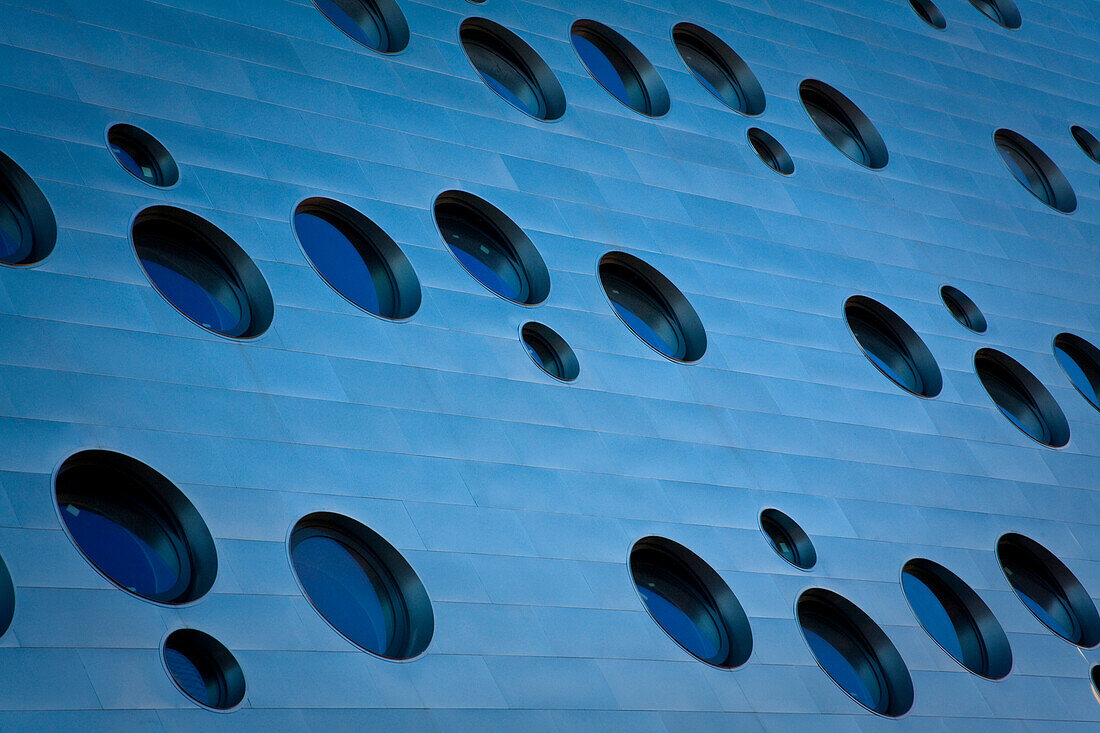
{"points": [[651, 86], [725, 608], [801, 544], [1086, 350], [921, 360], [858, 126], [392, 16], [1002, 12], [562, 352], [930, 13], [167, 171], [1061, 196], [963, 310], [229, 669], [154, 494], [751, 100], [780, 160], [524, 60], [1045, 407], [1088, 143], [407, 293], [30, 207]]}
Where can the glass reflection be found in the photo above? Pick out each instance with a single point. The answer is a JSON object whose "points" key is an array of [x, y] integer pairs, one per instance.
{"points": [[598, 59], [1039, 591]]}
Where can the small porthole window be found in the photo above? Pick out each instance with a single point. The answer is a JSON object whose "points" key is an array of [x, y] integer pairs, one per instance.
{"points": [[142, 156], [893, 347], [492, 248], [843, 124], [691, 602], [359, 260], [512, 69], [202, 272], [957, 619], [963, 309], [1049, 590], [1087, 141], [7, 598], [1094, 675], [28, 230], [1035, 171], [770, 151], [550, 352], [377, 24], [788, 539], [929, 13], [1022, 398], [1081, 362], [135, 527], [855, 653], [1001, 12], [652, 307], [361, 586], [203, 669], [719, 69], [620, 68]]}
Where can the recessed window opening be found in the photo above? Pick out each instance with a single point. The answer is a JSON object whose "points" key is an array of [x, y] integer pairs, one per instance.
{"points": [[1002, 12], [770, 151], [843, 124], [28, 230], [620, 68], [929, 13], [691, 602], [1035, 171], [377, 24], [1087, 141], [203, 669], [7, 598], [963, 309], [135, 527], [550, 352], [1049, 590], [359, 260], [1081, 362], [1094, 675], [1022, 398], [142, 156], [893, 347], [788, 539], [719, 69], [512, 69]]}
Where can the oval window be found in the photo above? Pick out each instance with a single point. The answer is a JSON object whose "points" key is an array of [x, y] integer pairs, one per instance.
{"points": [[843, 124], [1001, 12], [788, 539], [377, 24], [770, 151], [893, 347], [512, 69], [620, 68], [1081, 362], [929, 13], [28, 230], [550, 352], [719, 69], [142, 156], [1087, 142], [1022, 398], [1035, 171], [203, 669], [963, 309]]}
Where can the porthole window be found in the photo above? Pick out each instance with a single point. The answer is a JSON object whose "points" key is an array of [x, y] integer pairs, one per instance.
{"points": [[1049, 590], [28, 230], [142, 156], [719, 69], [203, 669], [1081, 362], [361, 586], [1035, 171], [550, 352], [929, 13], [963, 309], [377, 24], [691, 602], [357, 258], [957, 619], [512, 69], [492, 248], [652, 307], [1002, 12], [893, 347], [136, 527], [1088, 142], [843, 124], [620, 68], [1094, 674], [202, 272], [1022, 398], [7, 598], [770, 151], [855, 653], [788, 539]]}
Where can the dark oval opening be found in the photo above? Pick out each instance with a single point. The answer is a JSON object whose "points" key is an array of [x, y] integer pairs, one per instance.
{"points": [[770, 151], [963, 309], [1087, 141], [1081, 362], [788, 539], [1035, 171], [1001, 12], [929, 13], [893, 347], [691, 602], [719, 69], [1022, 398], [620, 68], [28, 230], [203, 669], [843, 124], [512, 69], [550, 352], [142, 156], [377, 24]]}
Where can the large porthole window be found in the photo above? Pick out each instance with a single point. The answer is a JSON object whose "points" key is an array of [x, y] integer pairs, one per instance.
{"points": [[377, 24], [719, 69], [1002, 12], [28, 230], [620, 68], [357, 258], [512, 69], [652, 307], [893, 347], [136, 527], [203, 669], [361, 586], [843, 124], [855, 653], [1080, 360], [1022, 398], [691, 602], [1049, 590], [956, 618], [142, 156], [1035, 171], [202, 272]]}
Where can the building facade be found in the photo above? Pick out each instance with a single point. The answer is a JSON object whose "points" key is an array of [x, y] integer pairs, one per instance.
{"points": [[660, 365]]}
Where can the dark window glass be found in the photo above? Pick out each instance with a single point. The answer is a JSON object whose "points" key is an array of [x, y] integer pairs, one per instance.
{"points": [[16, 240], [845, 658], [142, 155], [134, 161], [1002, 12], [348, 263], [836, 127], [938, 610], [770, 151], [484, 250], [1081, 362], [549, 350], [187, 675], [885, 349], [780, 541], [963, 309], [1035, 171], [357, 18], [203, 669], [609, 68], [788, 539], [1025, 170], [719, 69], [1040, 591], [1087, 141], [1014, 402], [929, 13], [643, 310], [512, 69]]}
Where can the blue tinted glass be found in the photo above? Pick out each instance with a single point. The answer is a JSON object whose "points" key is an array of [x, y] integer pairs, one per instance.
{"points": [[1077, 376], [122, 555], [706, 83], [130, 163], [837, 664], [932, 614], [487, 276], [187, 675], [889, 370], [338, 260], [680, 626], [507, 93], [647, 334], [11, 233], [186, 293], [363, 27], [601, 68], [345, 590], [1061, 623]]}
